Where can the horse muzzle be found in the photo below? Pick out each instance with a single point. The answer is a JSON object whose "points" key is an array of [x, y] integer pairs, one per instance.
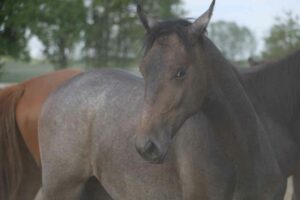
{"points": [[150, 150]]}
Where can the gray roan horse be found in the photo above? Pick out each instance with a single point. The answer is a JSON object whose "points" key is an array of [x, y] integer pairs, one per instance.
{"points": [[222, 151]]}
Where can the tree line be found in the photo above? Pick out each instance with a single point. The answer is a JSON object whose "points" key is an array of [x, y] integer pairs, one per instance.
{"points": [[239, 43], [104, 30], [107, 32]]}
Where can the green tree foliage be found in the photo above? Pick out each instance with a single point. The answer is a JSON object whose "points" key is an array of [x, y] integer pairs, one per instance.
{"points": [[284, 37], [14, 19], [59, 25], [114, 33], [108, 30], [236, 42]]}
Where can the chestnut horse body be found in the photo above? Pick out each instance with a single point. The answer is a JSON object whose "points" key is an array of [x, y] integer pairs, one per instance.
{"points": [[20, 107], [29, 106]]}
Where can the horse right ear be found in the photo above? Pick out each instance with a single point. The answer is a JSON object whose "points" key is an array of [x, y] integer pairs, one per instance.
{"points": [[148, 23], [199, 26]]}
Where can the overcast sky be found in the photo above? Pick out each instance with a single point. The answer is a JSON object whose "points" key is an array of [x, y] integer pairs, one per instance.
{"points": [[258, 15]]}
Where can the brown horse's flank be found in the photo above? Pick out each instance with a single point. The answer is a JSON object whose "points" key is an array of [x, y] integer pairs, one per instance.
{"points": [[10, 154]]}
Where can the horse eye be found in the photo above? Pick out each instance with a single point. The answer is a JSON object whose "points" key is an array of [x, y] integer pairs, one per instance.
{"points": [[180, 74]]}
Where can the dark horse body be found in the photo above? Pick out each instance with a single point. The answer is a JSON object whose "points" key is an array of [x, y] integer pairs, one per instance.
{"points": [[222, 151], [274, 89]]}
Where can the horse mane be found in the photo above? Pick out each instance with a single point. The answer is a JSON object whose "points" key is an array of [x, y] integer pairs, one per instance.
{"points": [[276, 85], [11, 167]]}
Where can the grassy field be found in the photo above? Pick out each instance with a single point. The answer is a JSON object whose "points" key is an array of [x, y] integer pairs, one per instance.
{"points": [[17, 71]]}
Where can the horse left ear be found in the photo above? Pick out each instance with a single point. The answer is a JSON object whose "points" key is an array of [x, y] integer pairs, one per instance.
{"points": [[148, 23], [199, 26]]}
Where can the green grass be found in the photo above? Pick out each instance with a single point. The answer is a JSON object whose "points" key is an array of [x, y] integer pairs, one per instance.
{"points": [[17, 71]]}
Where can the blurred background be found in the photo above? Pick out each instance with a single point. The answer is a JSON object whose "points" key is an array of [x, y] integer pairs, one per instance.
{"points": [[39, 36]]}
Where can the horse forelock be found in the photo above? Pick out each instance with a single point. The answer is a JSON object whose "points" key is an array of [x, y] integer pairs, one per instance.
{"points": [[165, 28]]}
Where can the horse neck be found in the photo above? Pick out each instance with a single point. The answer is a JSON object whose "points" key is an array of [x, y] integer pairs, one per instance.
{"points": [[233, 118], [276, 87]]}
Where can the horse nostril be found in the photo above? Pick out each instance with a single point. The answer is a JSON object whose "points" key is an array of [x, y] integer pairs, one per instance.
{"points": [[151, 151], [148, 150], [149, 147]]}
